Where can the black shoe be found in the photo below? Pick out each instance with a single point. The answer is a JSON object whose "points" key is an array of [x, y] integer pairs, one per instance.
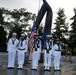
{"points": [[35, 69], [55, 70], [10, 67], [32, 69], [48, 69], [19, 68], [58, 70]]}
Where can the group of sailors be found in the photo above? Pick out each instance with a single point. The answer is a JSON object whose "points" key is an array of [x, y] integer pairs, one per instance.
{"points": [[15, 45], [21, 46]]}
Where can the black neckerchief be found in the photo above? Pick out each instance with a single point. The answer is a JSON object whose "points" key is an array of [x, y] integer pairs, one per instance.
{"points": [[13, 40], [58, 46], [22, 42], [36, 42], [49, 43]]}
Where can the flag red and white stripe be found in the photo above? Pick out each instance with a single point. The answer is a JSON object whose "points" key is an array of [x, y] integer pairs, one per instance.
{"points": [[31, 40]]}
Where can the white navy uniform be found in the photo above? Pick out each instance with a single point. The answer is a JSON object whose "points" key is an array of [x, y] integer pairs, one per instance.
{"points": [[36, 53], [22, 49], [47, 54], [12, 48], [57, 56], [39, 49]]}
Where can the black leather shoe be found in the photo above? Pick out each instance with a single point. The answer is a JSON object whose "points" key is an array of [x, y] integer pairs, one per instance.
{"points": [[58, 70], [55, 70], [32, 69], [10, 67], [35, 69], [48, 69], [19, 68]]}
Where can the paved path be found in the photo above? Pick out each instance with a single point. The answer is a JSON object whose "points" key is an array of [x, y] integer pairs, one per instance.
{"points": [[66, 68]]}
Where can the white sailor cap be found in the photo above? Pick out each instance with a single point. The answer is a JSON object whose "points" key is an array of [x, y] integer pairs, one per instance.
{"points": [[57, 39], [14, 33], [22, 34], [49, 36]]}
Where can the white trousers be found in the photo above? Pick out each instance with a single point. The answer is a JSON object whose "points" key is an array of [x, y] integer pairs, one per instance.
{"points": [[35, 58], [11, 58], [39, 56], [47, 60], [21, 57], [57, 56]]}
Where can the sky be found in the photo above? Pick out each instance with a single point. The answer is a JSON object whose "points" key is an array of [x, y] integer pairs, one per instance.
{"points": [[33, 6]]}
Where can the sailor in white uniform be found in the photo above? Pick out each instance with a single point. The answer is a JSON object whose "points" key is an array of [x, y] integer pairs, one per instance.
{"points": [[57, 54], [12, 48], [48, 52], [36, 52], [22, 49], [39, 47]]}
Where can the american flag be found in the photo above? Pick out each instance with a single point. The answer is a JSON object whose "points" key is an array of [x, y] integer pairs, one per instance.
{"points": [[31, 40]]}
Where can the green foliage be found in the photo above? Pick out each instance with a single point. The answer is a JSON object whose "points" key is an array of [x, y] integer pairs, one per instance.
{"points": [[17, 30], [2, 31], [21, 21], [2, 39], [72, 38], [74, 50], [16, 20], [61, 27], [40, 30], [1, 18], [2, 35]]}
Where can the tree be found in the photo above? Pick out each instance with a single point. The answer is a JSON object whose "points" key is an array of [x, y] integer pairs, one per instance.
{"points": [[17, 30], [72, 39], [19, 21], [40, 30], [2, 32], [61, 27], [1, 18]]}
